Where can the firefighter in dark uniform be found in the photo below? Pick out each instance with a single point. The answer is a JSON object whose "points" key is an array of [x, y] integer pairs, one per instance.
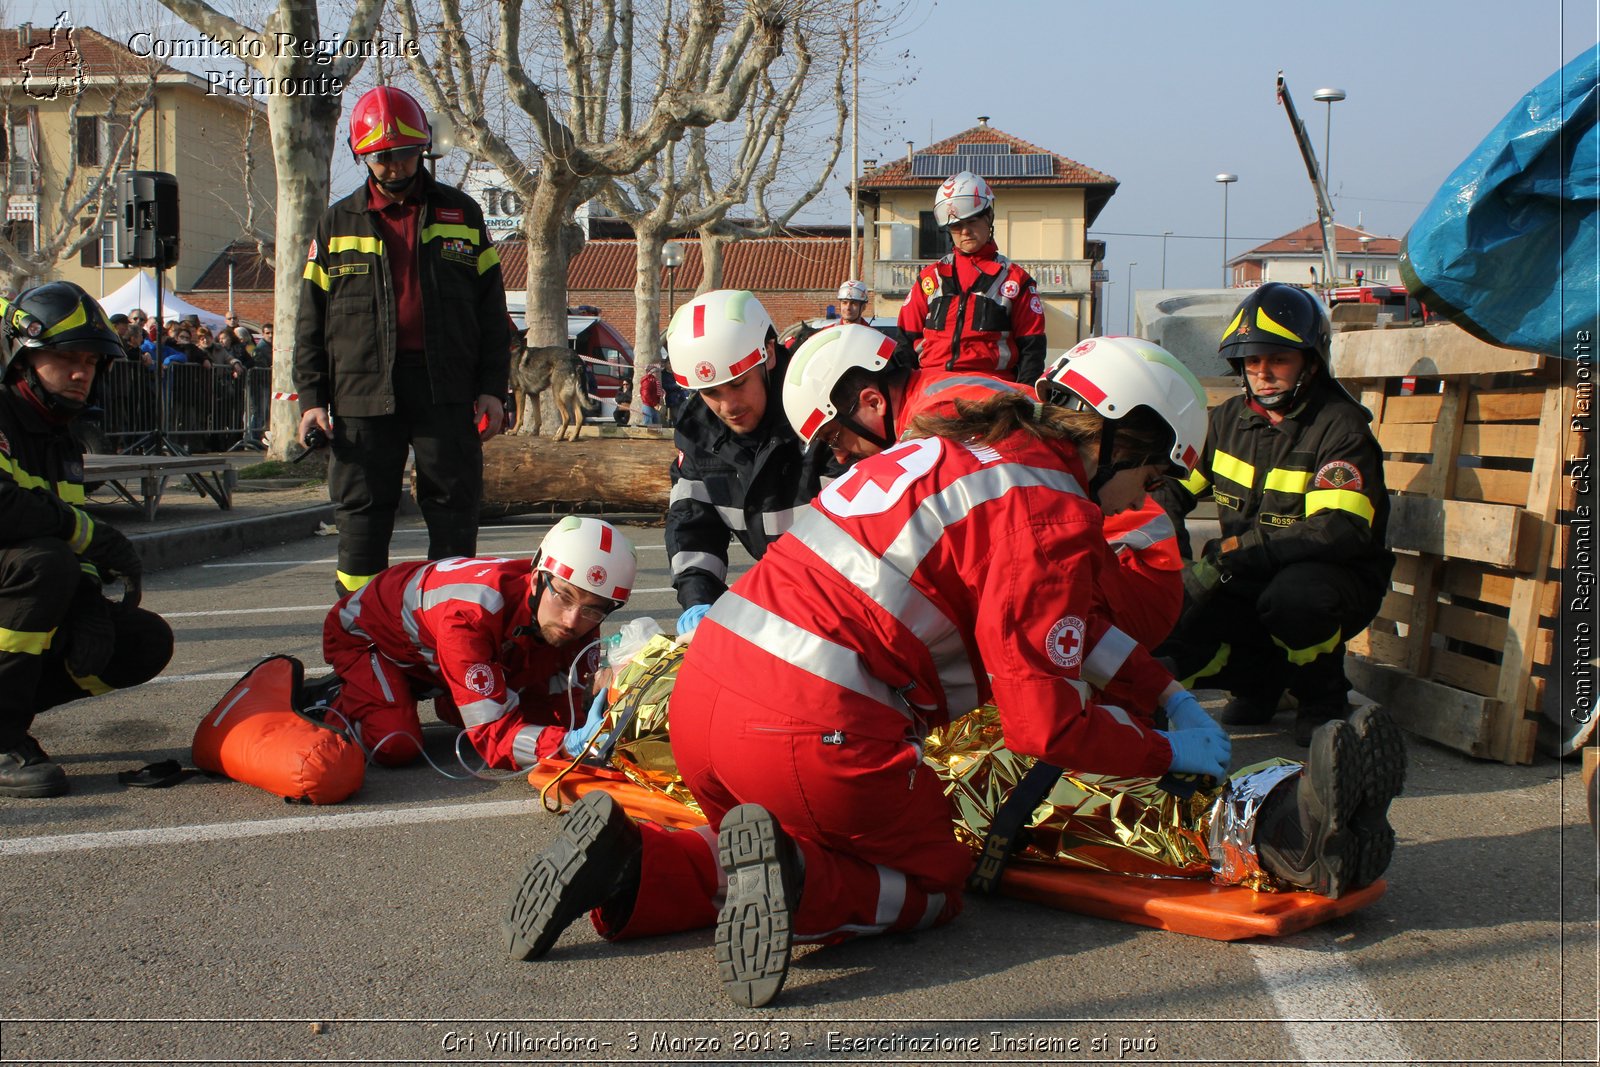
{"points": [[60, 637], [1302, 564], [403, 338], [739, 471]]}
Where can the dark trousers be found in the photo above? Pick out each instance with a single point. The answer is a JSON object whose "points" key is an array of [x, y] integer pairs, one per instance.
{"points": [[37, 582], [1258, 637], [364, 479]]}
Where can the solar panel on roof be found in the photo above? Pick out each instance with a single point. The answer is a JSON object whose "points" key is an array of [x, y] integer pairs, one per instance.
{"points": [[933, 166], [1004, 164], [973, 148]]}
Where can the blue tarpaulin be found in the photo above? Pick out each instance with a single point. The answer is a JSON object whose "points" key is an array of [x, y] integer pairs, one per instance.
{"points": [[1509, 247]]}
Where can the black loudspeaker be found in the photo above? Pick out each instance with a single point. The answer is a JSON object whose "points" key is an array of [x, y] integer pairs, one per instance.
{"points": [[147, 224]]}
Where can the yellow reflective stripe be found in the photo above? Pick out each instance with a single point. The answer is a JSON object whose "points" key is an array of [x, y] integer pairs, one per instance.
{"points": [[317, 276], [1301, 656], [68, 492], [352, 582], [1196, 482], [1339, 500], [1267, 324], [28, 642], [1288, 481], [76, 319], [407, 130], [1219, 661], [1234, 325], [1233, 469], [488, 260], [91, 684], [450, 229], [356, 244], [82, 531]]}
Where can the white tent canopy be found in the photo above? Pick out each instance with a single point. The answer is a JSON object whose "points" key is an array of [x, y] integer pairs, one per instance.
{"points": [[140, 292]]}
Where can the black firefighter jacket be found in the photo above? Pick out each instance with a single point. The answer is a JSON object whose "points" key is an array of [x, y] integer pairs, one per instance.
{"points": [[41, 474], [727, 485], [345, 341], [1309, 488]]}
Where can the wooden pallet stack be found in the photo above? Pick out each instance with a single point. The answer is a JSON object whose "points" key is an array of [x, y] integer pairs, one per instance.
{"points": [[1475, 439]]}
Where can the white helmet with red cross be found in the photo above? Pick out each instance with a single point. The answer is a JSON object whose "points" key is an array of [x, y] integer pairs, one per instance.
{"points": [[716, 337], [962, 196], [854, 290], [590, 553], [1117, 376], [819, 365]]}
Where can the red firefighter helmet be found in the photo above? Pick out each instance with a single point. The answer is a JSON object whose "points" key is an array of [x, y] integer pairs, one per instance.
{"points": [[387, 118]]}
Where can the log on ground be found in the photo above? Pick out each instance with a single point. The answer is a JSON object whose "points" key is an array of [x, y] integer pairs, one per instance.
{"points": [[521, 473]]}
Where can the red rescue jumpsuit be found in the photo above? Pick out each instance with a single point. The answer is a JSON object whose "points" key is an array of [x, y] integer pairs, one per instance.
{"points": [[980, 312], [462, 631], [930, 579]]}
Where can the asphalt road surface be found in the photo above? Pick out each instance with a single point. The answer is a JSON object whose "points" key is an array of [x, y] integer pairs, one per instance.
{"points": [[210, 922]]}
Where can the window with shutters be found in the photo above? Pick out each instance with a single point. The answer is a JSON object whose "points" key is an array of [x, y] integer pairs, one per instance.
{"points": [[932, 242]]}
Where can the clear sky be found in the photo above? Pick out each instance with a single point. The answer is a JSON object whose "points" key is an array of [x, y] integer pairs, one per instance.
{"points": [[1164, 94]]}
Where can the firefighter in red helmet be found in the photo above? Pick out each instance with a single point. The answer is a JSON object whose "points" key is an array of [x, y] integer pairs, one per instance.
{"points": [[401, 343]]}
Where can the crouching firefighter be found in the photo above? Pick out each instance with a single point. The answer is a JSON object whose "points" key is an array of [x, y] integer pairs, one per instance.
{"points": [[60, 637], [499, 644], [1302, 564]]}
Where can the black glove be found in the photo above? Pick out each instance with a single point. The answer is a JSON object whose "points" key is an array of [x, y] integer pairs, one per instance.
{"points": [[89, 633], [113, 555]]}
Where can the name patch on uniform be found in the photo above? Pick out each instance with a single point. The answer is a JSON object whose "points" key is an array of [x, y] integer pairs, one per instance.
{"points": [[1278, 520], [1339, 475], [449, 214], [1227, 500], [1064, 642], [480, 679], [928, 287], [348, 268]]}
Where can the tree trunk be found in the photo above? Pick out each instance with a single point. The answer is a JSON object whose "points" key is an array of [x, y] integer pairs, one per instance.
{"points": [[301, 154], [547, 264], [646, 309], [711, 246], [520, 473]]}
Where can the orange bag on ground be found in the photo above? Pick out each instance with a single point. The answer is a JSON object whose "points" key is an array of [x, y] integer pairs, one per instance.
{"points": [[257, 735]]}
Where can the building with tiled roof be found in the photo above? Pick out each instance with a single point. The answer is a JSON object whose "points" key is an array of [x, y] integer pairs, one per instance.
{"points": [[1296, 257], [1044, 205], [196, 130]]}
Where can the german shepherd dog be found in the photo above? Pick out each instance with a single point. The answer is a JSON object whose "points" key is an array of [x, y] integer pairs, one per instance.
{"points": [[557, 369]]}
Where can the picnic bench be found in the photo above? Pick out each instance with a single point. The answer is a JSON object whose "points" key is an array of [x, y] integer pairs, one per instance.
{"points": [[209, 476]]}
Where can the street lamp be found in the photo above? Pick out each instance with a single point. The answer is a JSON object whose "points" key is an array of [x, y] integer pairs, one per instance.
{"points": [[1129, 315], [1329, 97], [1164, 235], [671, 258], [1226, 180]]}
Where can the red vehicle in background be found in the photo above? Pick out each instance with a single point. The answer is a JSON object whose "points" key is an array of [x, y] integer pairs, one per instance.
{"points": [[607, 358], [1389, 298]]}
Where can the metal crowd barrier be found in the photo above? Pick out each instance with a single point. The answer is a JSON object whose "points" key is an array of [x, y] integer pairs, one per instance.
{"points": [[204, 409]]}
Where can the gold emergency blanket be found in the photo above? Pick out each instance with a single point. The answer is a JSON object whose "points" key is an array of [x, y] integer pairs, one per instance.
{"points": [[1092, 822]]}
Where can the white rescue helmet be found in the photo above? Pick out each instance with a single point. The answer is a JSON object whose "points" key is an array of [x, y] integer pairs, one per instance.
{"points": [[1116, 376], [716, 337], [961, 196], [853, 290], [818, 366], [590, 553]]}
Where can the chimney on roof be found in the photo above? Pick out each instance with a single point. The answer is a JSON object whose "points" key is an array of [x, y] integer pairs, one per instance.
{"points": [[908, 153], [983, 120], [25, 35], [869, 164]]}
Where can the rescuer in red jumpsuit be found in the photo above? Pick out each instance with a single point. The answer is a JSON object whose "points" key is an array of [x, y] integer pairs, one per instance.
{"points": [[945, 572], [493, 641]]}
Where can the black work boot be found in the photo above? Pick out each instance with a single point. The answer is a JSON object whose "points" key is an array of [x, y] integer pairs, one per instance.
{"points": [[26, 770], [754, 927], [593, 863], [1305, 833], [1383, 777], [1250, 709], [1314, 712]]}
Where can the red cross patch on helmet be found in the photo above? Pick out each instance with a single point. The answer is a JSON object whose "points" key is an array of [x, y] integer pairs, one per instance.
{"points": [[597, 575], [704, 371]]}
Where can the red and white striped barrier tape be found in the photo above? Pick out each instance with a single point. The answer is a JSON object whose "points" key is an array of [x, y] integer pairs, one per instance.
{"points": [[286, 396]]}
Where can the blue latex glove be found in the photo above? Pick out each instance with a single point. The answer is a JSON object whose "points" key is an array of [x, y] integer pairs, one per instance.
{"points": [[691, 618], [573, 744], [1185, 713], [1199, 752]]}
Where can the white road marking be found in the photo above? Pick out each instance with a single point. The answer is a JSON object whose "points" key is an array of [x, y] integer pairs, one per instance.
{"points": [[243, 611], [227, 831], [1318, 997], [329, 561]]}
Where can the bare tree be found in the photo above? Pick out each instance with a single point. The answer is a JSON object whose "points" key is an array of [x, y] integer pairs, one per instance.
{"points": [[610, 122], [664, 198], [53, 71], [303, 82]]}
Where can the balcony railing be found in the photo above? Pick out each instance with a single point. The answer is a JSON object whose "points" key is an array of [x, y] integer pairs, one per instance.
{"points": [[1056, 277]]}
